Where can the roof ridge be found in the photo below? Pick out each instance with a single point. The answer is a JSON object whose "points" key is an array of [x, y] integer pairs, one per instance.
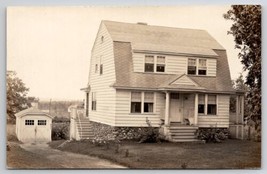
{"points": [[148, 25]]}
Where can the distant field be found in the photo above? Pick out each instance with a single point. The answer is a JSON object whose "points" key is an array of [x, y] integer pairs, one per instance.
{"points": [[58, 108]]}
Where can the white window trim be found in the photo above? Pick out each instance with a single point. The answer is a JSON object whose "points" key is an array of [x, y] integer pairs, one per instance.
{"points": [[142, 103], [155, 63], [206, 106], [197, 66]]}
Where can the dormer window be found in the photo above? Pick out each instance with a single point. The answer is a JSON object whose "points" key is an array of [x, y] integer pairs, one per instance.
{"points": [[192, 66], [197, 66], [202, 67], [149, 63], [160, 64]]}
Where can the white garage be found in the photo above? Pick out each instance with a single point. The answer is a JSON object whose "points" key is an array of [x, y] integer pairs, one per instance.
{"points": [[33, 125]]}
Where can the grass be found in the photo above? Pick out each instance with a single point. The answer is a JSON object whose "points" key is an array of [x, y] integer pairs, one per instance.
{"points": [[18, 158], [231, 154]]}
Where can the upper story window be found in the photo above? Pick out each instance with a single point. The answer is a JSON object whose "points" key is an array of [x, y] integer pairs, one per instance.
{"points": [[100, 66], [192, 66], [149, 63], [160, 64], [197, 66], [102, 39], [202, 67]]}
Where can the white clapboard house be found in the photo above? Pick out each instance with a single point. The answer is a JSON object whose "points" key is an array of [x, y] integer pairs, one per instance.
{"points": [[178, 79]]}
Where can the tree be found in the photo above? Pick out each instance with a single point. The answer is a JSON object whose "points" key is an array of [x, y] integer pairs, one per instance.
{"points": [[246, 30], [17, 99]]}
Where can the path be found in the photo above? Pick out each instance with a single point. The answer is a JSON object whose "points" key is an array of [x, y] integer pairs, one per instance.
{"points": [[68, 159]]}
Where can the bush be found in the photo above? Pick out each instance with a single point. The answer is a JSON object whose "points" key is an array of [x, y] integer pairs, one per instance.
{"points": [[215, 135], [60, 131], [149, 135]]}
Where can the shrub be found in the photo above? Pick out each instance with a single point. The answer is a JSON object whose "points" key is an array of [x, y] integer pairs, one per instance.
{"points": [[60, 131], [215, 135], [150, 134]]}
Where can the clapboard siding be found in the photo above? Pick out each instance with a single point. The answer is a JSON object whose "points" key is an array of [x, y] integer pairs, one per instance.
{"points": [[211, 67], [138, 62], [176, 64], [219, 120], [105, 95], [126, 119]]}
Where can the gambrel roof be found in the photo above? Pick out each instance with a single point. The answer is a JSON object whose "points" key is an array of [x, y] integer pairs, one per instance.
{"points": [[128, 38], [163, 39]]}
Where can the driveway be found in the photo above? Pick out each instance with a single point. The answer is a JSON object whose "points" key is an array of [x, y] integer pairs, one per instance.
{"points": [[68, 159]]}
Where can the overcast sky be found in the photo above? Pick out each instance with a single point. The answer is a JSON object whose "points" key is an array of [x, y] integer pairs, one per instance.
{"points": [[50, 47]]}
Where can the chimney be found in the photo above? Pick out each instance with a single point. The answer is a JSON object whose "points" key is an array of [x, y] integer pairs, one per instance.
{"points": [[34, 105], [141, 23]]}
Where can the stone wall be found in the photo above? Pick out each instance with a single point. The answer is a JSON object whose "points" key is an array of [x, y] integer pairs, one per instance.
{"points": [[107, 132]]}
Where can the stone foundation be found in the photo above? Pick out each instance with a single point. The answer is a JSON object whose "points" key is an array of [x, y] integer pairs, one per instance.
{"points": [[107, 132]]}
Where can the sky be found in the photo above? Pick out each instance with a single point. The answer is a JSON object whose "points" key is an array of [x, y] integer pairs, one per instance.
{"points": [[50, 47]]}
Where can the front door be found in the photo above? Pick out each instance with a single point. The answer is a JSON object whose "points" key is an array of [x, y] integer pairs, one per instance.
{"points": [[176, 110]]}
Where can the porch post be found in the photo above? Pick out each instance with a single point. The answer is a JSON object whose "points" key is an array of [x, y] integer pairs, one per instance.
{"points": [[237, 108], [242, 116], [167, 108], [196, 109]]}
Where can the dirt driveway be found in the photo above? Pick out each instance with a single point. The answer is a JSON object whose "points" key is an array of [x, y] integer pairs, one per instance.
{"points": [[68, 159]]}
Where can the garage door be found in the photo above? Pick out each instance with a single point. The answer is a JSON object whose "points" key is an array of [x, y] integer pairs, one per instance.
{"points": [[36, 130]]}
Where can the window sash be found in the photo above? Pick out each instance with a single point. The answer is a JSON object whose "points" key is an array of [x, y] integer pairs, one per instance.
{"points": [[212, 99], [192, 62], [136, 97], [29, 122], [149, 59], [202, 63], [136, 107], [148, 107], [201, 99], [160, 59], [149, 67], [149, 97]]}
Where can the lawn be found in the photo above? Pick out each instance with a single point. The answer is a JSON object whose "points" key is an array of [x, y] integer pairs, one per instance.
{"points": [[231, 154]]}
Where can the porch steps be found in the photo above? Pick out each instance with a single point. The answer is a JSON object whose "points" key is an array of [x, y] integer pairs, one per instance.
{"points": [[84, 128], [183, 133]]}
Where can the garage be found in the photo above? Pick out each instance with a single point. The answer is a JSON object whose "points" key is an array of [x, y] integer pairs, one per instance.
{"points": [[33, 125]]}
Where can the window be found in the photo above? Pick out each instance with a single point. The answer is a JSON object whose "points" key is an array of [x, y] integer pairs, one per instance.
{"points": [[192, 68], [93, 101], [102, 39], [87, 104], [96, 68], [29, 122], [212, 107], [202, 67], [136, 102], [148, 101], [101, 69], [149, 63], [100, 66], [197, 66], [160, 63], [42, 122], [201, 103]]}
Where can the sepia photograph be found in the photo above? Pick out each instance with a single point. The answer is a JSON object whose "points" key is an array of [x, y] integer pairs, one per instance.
{"points": [[133, 87]]}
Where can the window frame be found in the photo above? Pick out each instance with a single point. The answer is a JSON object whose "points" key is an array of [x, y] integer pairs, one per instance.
{"points": [[160, 64], [153, 102], [29, 122], [42, 122], [197, 66], [206, 105], [94, 101]]}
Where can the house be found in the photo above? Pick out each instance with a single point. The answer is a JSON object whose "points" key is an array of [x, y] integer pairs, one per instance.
{"points": [[33, 125], [177, 79]]}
